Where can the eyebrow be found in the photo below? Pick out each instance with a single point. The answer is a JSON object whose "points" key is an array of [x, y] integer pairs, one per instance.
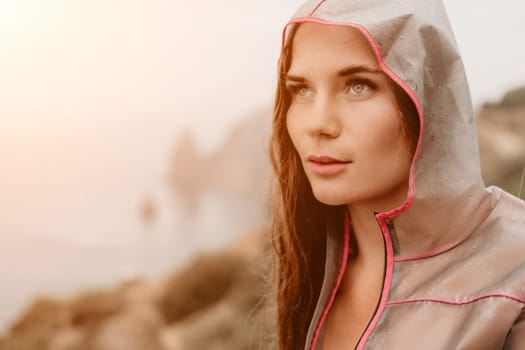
{"points": [[342, 73], [357, 69]]}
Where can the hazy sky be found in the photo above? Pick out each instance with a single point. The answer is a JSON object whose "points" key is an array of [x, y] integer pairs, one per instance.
{"points": [[94, 93], [72, 64]]}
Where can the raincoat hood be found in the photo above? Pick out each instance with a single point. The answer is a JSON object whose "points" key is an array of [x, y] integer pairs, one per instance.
{"points": [[453, 249], [414, 45]]}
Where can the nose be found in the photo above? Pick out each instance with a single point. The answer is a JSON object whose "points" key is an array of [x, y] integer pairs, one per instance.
{"points": [[324, 120]]}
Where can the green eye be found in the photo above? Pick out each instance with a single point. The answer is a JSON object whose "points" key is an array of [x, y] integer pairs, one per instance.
{"points": [[302, 91], [359, 88]]}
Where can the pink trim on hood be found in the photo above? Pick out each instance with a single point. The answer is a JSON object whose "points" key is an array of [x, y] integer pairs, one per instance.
{"points": [[382, 217], [390, 73]]}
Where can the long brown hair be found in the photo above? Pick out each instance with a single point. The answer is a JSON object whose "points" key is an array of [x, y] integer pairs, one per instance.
{"points": [[299, 219]]}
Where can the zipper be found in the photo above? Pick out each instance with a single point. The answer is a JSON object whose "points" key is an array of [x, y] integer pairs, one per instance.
{"points": [[380, 294], [385, 288], [388, 251]]}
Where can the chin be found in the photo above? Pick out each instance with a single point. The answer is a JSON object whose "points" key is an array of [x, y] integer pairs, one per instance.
{"points": [[381, 200], [332, 197]]}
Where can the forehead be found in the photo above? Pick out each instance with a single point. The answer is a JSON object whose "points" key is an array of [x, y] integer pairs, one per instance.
{"points": [[332, 47]]}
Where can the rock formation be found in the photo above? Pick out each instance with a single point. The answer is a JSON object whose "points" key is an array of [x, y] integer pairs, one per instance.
{"points": [[215, 302], [501, 130]]}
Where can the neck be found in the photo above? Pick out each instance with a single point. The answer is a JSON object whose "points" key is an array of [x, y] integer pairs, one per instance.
{"points": [[366, 230], [367, 264], [367, 233]]}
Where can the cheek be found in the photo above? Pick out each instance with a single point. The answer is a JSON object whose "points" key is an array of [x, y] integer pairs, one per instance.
{"points": [[393, 150], [376, 127], [382, 140], [293, 129]]}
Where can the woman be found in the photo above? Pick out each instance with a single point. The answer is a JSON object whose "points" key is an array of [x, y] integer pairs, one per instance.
{"points": [[384, 234]]}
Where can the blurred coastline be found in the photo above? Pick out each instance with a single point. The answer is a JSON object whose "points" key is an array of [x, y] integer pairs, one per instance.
{"points": [[33, 265], [213, 206], [146, 237], [134, 171]]}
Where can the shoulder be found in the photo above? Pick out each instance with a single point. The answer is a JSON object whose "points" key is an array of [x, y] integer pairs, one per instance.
{"points": [[507, 216], [498, 246]]}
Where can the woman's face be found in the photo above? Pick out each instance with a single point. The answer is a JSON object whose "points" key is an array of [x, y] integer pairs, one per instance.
{"points": [[344, 120]]}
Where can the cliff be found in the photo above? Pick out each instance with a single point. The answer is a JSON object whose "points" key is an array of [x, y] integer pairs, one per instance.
{"points": [[215, 301], [501, 131]]}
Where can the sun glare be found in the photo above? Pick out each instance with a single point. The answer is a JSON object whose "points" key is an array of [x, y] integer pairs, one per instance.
{"points": [[18, 21], [9, 15]]}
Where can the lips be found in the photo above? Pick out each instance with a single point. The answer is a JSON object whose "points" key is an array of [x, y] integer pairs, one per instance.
{"points": [[325, 165]]}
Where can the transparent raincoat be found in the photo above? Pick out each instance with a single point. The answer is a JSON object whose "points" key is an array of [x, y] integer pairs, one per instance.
{"points": [[455, 251]]}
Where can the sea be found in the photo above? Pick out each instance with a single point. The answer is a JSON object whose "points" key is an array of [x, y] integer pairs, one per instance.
{"points": [[79, 249]]}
